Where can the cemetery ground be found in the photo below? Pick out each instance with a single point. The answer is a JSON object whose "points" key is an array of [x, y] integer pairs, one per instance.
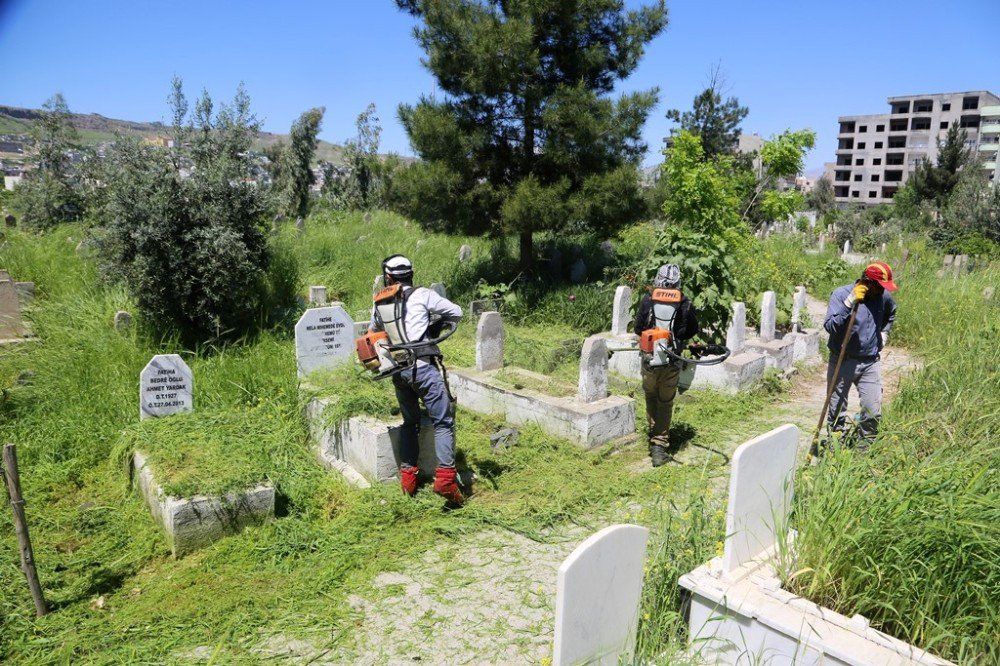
{"points": [[346, 575]]}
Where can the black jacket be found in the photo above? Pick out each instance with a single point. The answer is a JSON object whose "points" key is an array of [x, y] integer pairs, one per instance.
{"points": [[686, 326]]}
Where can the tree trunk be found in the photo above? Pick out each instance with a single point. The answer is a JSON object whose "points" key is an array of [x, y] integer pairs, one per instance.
{"points": [[527, 253]]}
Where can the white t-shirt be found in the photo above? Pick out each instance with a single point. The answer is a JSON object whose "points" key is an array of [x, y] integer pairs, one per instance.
{"points": [[420, 306]]}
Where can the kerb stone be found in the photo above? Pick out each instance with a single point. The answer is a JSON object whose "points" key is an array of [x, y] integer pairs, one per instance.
{"points": [[593, 382], [597, 598], [489, 342]]}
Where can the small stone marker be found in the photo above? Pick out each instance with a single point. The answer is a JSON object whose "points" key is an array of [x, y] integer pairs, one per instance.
{"points": [[10, 221], [25, 291], [960, 264], [883, 249], [578, 271], [367, 218], [597, 598], [768, 314], [489, 342], [988, 293], [593, 383], [847, 247], [736, 334], [949, 259], [760, 494], [317, 295], [620, 313], [439, 289], [166, 386], [798, 303], [123, 321], [464, 253], [378, 284], [323, 338], [607, 250]]}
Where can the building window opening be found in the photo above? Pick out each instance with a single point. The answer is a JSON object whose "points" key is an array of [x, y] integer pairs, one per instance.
{"points": [[878, 144], [863, 128], [893, 176], [944, 124], [969, 103], [900, 107], [861, 145], [857, 178], [843, 160], [897, 142], [877, 161], [859, 162], [880, 128], [872, 194], [946, 106], [920, 124], [895, 159], [855, 194], [845, 144], [875, 177], [969, 121], [923, 106], [847, 127], [898, 125]]}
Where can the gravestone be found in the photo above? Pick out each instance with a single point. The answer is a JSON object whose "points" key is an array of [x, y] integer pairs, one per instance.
{"points": [[324, 338], [166, 386], [949, 259], [798, 303], [367, 218], [607, 250], [847, 247], [960, 264], [760, 494], [988, 293], [464, 253], [317, 295], [883, 249], [578, 271], [10, 221], [123, 321], [439, 289], [420, 244], [11, 325], [378, 284], [593, 382], [25, 291], [822, 242], [597, 598], [768, 315], [489, 342], [736, 334], [300, 225], [621, 310]]}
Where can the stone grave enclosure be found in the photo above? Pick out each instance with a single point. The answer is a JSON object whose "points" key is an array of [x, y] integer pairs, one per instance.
{"points": [[13, 298]]}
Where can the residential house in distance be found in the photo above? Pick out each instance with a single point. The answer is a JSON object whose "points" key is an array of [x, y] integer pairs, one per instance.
{"points": [[877, 153]]}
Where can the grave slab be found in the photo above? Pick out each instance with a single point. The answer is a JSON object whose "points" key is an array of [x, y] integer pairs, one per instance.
{"points": [[198, 521], [588, 424], [489, 342], [777, 354], [805, 346], [166, 386], [597, 598], [739, 372], [324, 339]]}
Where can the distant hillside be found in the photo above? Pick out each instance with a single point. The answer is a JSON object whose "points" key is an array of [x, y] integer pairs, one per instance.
{"points": [[95, 128]]}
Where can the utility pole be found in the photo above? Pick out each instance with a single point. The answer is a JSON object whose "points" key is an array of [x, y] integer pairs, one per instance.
{"points": [[12, 480]]}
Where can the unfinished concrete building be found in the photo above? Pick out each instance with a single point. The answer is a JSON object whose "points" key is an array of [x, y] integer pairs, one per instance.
{"points": [[877, 153]]}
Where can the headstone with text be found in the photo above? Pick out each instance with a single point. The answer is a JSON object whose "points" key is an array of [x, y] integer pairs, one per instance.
{"points": [[324, 339], [166, 386]]}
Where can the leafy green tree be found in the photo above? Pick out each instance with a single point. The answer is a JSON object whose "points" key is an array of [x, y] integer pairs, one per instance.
{"points": [[781, 158], [821, 199], [51, 191], [715, 120], [297, 158], [184, 227], [527, 137], [361, 189], [935, 182], [970, 223]]}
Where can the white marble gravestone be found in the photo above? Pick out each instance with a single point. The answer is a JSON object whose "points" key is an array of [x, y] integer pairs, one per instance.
{"points": [[768, 315], [736, 334], [593, 381], [847, 247], [166, 386], [324, 338], [464, 253], [489, 342], [597, 598], [798, 304], [317, 295], [760, 494], [620, 314]]}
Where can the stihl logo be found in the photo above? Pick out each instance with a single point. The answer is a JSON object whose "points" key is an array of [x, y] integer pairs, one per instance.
{"points": [[667, 295]]}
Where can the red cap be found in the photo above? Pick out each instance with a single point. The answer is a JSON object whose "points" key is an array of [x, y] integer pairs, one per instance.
{"points": [[880, 272]]}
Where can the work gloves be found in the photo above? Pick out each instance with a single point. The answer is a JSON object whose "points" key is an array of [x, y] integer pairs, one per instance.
{"points": [[857, 294]]}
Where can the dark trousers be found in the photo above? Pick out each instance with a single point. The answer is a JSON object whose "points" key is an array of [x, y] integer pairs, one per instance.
{"points": [[425, 384]]}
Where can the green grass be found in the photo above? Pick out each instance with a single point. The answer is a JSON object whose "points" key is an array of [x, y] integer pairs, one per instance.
{"points": [[909, 536]]}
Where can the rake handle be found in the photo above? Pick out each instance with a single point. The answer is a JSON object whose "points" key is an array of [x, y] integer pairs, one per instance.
{"points": [[836, 371]]}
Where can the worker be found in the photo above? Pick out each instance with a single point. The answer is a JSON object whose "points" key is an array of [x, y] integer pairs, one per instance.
{"points": [[659, 382], [409, 314], [876, 312]]}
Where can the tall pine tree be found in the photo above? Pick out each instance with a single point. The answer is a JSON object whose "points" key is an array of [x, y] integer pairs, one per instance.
{"points": [[527, 137]]}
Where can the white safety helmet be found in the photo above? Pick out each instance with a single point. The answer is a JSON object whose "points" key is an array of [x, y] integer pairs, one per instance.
{"points": [[397, 267], [668, 277]]}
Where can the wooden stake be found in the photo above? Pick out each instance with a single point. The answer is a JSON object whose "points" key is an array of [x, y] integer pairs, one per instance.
{"points": [[13, 482]]}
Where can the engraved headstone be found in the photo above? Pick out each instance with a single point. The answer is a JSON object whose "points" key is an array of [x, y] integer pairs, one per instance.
{"points": [[768, 315], [166, 386], [597, 598], [489, 342], [760, 494], [324, 338], [736, 334], [883, 249], [317, 295], [620, 313], [593, 382], [464, 253]]}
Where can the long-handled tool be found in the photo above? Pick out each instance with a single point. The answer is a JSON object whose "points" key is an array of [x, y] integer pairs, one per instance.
{"points": [[832, 382]]}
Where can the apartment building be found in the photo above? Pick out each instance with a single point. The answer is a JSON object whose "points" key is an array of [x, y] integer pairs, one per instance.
{"points": [[877, 153]]}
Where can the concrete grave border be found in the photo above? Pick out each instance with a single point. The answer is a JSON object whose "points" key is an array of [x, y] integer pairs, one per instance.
{"points": [[199, 521]]}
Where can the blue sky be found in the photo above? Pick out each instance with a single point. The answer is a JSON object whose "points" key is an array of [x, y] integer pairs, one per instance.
{"points": [[795, 64]]}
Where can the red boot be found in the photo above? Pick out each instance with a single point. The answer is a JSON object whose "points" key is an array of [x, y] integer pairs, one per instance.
{"points": [[408, 479], [445, 486]]}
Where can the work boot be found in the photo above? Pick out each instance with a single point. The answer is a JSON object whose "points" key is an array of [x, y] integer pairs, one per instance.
{"points": [[445, 486], [408, 480], [659, 454]]}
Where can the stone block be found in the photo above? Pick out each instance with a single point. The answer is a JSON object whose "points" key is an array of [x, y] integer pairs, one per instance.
{"points": [[627, 364], [489, 342], [621, 311], [778, 353], [593, 381], [25, 291], [760, 495], [798, 304], [739, 372], [464, 253], [597, 598], [198, 521], [805, 345], [11, 324], [588, 424]]}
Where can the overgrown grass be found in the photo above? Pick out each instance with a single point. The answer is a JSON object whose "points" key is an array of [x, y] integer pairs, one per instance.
{"points": [[909, 536]]}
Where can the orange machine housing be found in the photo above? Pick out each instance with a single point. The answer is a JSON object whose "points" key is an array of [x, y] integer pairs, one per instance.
{"points": [[367, 352], [647, 341], [666, 295]]}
